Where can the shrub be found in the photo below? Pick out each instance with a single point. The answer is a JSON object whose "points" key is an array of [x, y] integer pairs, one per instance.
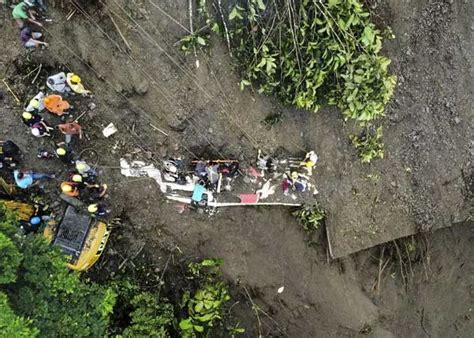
{"points": [[310, 217], [313, 53]]}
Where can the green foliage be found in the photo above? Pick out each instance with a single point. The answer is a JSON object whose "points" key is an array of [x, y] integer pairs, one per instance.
{"points": [[10, 259], [204, 307], [56, 300], [312, 53], [12, 325], [310, 217], [200, 37], [151, 317], [369, 144]]}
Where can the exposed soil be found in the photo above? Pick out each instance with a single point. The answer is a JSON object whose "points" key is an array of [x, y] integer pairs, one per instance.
{"points": [[425, 183]]}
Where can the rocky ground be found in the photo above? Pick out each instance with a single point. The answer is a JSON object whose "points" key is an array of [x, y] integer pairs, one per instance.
{"points": [[424, 183]]}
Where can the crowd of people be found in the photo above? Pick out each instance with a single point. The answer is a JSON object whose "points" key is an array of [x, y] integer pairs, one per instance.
{"points": [[27, 16], [82, 179]]}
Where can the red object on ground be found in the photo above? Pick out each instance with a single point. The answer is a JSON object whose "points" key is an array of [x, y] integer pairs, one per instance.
{"points": [[254, 172], [248, 198]]}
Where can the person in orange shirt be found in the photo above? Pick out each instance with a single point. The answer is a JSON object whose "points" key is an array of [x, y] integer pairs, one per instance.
{"points": [[70, 189], [69, 129], [56, 105]]}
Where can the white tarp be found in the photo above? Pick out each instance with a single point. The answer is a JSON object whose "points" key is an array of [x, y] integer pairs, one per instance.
{"points": [[141, 169]]}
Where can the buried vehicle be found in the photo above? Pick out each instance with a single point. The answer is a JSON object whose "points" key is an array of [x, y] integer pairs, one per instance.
{"points": [[81, 237]]}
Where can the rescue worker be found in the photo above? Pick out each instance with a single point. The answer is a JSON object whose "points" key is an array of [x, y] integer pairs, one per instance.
{"points": [[70, 189], [30, 39], [299, 182], [286, 184], [31, 118], [309, 162], [84, 169], [36, 104], [96, 191], [74, 82], [56, 105], [69, 129], [24, 12], [97, 209], [41, 129], [9, 154], [58, 83], [64, 153], [27, 178]]}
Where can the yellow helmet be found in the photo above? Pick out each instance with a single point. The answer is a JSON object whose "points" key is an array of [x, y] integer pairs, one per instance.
{"points": [[80, 166], [61, 151], [75, 79], [66, 188], [27, 116], [34, 103], [294, 175], [77, 178], [92, 208]]}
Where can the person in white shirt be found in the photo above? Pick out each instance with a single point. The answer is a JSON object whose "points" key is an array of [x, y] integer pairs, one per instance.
{"points": [[58, 83], [36, 103]]}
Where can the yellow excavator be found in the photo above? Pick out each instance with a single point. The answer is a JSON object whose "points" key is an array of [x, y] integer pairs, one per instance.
{"points": [[81, 237]]}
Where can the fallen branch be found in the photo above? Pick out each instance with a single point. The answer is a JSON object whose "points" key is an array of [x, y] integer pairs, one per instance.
{"points": [[119, 31], [190, 7], [219, 4], [24, 77], [11, 91], [255, 308], [70, 15], [37, 74], [158, 129]]}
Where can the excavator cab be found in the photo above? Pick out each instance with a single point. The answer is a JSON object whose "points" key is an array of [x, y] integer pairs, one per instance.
{"points": [[81, 237]]}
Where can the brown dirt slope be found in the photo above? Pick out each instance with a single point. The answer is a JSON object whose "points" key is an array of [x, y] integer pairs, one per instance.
{"points": [[423, 182]]}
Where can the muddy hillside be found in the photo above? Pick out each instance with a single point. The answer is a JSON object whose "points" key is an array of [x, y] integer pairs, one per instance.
{"points": [[394, 258]]}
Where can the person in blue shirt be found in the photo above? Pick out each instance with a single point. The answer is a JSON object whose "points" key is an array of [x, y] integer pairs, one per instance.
{"points": [[25, 179]]}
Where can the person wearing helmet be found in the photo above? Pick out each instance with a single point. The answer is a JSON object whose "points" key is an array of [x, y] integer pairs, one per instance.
{"points": [[36, 104], [24, 12], [70, 189], [30, 118], [84, 169], [41, 129], [309, 162], [64, 153], [97, 209], [74, 82], [56, 105], [57, 83], [26, 178]]}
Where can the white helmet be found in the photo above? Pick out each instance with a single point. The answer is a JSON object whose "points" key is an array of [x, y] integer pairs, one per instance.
{"points": [[170, 166], [36, 132], [29, 3]]}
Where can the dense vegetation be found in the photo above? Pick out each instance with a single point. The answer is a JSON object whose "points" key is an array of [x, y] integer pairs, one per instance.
{"points": [[311, 53], [39, 296]]}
